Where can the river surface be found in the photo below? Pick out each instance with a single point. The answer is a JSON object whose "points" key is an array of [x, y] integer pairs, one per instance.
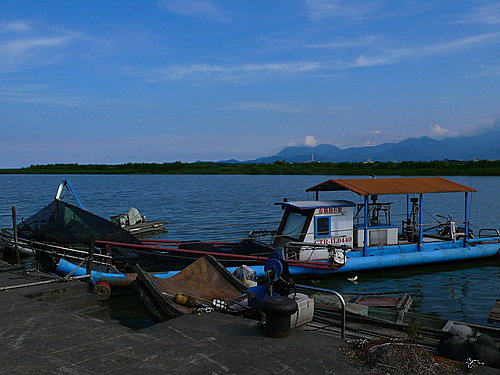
{"points": [[215, 207]]}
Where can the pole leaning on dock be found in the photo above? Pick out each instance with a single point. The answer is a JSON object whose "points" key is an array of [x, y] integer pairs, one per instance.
{"points": [[89, 262], [14, 227]]}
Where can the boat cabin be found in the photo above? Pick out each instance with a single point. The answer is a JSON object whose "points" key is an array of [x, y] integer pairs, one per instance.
{"points": [[322, 225], [316, 222]]}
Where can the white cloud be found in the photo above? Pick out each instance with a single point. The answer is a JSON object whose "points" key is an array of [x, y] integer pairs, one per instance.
{"points": [[341, 8], [230, 72], [486, 14], [310, 141], [195, 8], [490, 71], [391, 56], [287, 107], [375, 132], [25, 45], [438, 131], [345, 43], [43, 94], [15, 26]]}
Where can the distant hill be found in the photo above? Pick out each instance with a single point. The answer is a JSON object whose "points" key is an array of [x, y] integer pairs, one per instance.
{"points": [[481, 146]]}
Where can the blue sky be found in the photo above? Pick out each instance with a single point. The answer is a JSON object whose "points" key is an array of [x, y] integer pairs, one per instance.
{"points": [[158, 81]]}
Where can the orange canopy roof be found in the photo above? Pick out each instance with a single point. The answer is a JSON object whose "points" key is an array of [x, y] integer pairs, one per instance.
{"points": [[398, 185]]}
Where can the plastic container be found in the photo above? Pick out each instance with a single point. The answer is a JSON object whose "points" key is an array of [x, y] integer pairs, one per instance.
{"points": [[305, 309]]}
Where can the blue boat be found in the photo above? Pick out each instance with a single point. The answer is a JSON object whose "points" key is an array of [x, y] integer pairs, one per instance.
{"points": [[363, 237], [326, 237]]}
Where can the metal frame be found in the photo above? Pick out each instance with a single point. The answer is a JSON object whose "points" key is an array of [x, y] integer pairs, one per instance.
{"points": [[338, 295], [67, 184]]}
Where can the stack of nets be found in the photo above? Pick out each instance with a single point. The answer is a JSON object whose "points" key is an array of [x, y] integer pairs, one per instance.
{"points": [[397, 357]]}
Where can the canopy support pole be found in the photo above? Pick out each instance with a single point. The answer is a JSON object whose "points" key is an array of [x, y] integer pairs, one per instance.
{"points": [[420, 221], [365, 229], [408, 208], [467, 214]]}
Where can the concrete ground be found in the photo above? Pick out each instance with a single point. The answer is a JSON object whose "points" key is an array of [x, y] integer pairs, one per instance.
{"points": [[45, 338]]}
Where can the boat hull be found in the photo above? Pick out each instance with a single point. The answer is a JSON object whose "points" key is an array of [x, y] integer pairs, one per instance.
{"points": [[355, 262]]}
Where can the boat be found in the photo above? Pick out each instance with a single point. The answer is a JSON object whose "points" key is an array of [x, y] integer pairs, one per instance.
{"points": [[317, 237], [205, 283], [428, 331], [366, 232], [325, 237], [137, 224]]}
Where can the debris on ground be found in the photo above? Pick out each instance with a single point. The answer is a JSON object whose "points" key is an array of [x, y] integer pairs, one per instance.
{"points": [[397, 357]]}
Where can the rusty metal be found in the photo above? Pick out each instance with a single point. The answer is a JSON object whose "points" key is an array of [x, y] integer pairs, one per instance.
{"points": [[397, 185], [204, 280]]}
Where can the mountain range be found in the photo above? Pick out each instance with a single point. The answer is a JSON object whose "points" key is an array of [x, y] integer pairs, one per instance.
{"points": [[481, 146]]}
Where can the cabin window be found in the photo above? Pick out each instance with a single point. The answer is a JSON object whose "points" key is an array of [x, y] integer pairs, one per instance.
{"points": [[294, 225], [322, 227]]}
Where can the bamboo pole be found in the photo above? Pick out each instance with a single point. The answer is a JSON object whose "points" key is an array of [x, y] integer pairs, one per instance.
{"points": [[16, 241]]}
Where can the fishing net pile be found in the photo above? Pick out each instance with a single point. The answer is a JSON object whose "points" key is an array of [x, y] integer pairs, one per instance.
{"points": [[397, 357]]}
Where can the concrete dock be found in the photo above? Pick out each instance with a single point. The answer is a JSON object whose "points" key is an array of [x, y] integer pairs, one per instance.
{"points": [[42, 333]]}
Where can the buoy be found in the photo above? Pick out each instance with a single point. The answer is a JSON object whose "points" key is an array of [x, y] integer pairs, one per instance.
{"points": [[184, 300], [103, 290]]}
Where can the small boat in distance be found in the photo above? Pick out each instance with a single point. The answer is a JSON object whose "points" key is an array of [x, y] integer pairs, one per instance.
{"points": [[137, 224]]}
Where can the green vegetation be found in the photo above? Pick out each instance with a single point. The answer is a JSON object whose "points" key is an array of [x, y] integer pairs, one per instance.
{"points": [[407, 168]]}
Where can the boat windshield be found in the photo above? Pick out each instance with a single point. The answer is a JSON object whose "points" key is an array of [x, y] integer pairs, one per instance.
{"points": [[294, 224]]}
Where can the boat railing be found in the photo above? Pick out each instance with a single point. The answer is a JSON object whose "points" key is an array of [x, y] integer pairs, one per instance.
{"points": [[337, 294], [294, 248], [100, 256], [494, 230], [312, 244]]}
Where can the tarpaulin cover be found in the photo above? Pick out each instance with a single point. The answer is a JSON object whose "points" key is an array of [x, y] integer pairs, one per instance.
{"points": [[63, 223]]}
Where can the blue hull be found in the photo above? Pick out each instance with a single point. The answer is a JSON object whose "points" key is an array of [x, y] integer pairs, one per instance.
{"points": [[405, 255], [376, 258]]}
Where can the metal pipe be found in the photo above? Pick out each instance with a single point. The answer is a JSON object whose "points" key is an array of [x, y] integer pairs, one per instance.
{"points": [[41, 282], [158, 250], [339, 296]]}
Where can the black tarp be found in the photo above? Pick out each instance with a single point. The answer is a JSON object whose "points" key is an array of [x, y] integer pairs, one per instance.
{"points": [[62, 223]]}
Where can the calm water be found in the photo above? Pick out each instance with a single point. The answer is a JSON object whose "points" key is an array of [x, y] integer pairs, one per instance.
{"points": [[227, 207]]}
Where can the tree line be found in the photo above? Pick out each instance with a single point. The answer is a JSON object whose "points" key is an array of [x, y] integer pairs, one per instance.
{"points": [[406, 168]]}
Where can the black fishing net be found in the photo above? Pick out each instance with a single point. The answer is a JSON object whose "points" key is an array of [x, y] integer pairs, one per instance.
{"points": [[65, 224]]}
